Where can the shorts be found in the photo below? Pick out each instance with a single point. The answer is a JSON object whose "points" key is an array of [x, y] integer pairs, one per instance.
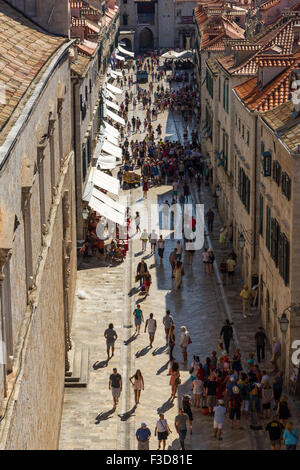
{"points": [[211, 401], [138, 321], [110, 344], [236, 412], [276, 442], [151, 333], [266, 406], [245, 405], [116, 391], [162, 436], [218, 425]]}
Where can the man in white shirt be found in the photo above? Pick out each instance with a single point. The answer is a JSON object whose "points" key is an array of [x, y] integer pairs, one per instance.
{"points": [[152, 325], [184, 342]]}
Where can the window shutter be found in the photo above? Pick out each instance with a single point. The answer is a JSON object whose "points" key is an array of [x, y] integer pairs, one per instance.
{"points": [[261, 214], [287, 262], [268, 221]]}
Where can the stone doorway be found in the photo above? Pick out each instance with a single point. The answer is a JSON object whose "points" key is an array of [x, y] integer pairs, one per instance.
{"points": [[146, 40]]}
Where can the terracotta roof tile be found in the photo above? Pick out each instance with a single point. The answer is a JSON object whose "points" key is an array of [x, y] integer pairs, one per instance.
{"points": [[24, 50]]}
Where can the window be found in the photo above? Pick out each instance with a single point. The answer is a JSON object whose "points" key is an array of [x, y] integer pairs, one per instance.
{"points": [[84, 165], [219, 88], [266, 161], [244, 189], [208, 127], [286, 185], [125, 2], [225, 151], [248, 138], [239, 125], [226, 95], [243, 131], [261, 214], [268, 222], [125, 19], [209, 83], [276, 172], [275, 233], [284, 258]]}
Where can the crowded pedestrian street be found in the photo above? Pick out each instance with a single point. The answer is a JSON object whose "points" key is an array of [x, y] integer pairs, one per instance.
{"points": [[109, 292]]}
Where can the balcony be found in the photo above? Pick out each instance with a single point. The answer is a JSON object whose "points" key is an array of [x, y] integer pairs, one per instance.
{"points": [[146, 18]]}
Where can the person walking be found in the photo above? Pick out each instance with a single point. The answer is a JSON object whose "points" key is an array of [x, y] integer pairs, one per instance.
{"points": [[137, 380], [179, 250], [275, 430], [277, 388], [153, 241], [223, 237], [245, 295], [211, 386], [141, 271], [148, 282], [236, 363], [137, 222], [276, 352], [115, 385], [138, 318], [186, 405], [185, 340], [223, 270], [168, 322], [235, 403], [172, 260], [179, 272], [161, 248], [260, 340], [290, 436], [151, 325], [171, 342], [197, 386], [111, 336], [283, 410], [162, 431], [144, 238], [174, 379], [227, 333], [211, 260], [231, 264], [180, 425], [205, 259], [143, 435], [219, 418], [210, 215], [266, 399], [145, 187]]}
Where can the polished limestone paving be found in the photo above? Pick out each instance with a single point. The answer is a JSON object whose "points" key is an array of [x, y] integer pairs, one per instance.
{"points": [[89, 421]]}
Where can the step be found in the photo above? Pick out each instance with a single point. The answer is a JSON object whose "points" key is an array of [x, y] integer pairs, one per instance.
{"points": [[71, 361], [81, 368], [76, 368]]}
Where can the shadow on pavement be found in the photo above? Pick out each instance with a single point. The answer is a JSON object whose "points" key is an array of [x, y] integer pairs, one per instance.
{"points": [[163, 368], [100, 365], [133, 291], [160, 350], [129, 340], [142, 352], [125, 416], [103, 416], [166, 406]]}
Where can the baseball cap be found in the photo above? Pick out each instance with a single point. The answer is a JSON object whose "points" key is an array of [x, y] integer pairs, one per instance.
{"points": [[143, 424]]}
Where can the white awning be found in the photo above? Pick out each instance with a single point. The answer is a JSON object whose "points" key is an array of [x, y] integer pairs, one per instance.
{"points": [[115, 117], [124, 51], [107, 182], [111, 138], [106, 211], [108, 147], [111, 129], [114, 89], [107, 158], [117, 72], [112, 105], [106, 165], [120, 57], [109, 94], [112, 74], [109, 201]]}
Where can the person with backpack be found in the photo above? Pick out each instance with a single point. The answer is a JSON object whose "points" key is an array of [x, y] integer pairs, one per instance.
{"points": [[235, 403]]}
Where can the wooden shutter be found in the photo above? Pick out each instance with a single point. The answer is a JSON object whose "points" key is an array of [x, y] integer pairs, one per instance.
{"points": [[268, 222], [261, 214]]}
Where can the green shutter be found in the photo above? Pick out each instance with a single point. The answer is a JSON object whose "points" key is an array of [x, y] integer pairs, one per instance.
{"points": [[261, 214], [268, 222]]}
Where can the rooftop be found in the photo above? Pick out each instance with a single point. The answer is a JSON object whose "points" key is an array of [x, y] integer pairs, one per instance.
{"points": [[286, 127], [81, 65], [24, 51]]}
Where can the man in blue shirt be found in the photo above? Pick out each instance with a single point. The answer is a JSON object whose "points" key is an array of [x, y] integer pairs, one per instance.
{"points": [[219, 418], [143, 436]]}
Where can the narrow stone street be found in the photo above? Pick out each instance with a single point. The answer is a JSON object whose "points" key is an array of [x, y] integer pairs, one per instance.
{"points": [[202, 305]]}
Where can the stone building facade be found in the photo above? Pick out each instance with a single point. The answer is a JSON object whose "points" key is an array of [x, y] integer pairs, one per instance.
{"points": [[37, 229]]}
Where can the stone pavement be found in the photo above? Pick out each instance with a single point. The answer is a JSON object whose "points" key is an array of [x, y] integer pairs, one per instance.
{"points": [[88, 421]]}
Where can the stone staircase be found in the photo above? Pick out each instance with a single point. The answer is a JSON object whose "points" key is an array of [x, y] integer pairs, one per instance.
{"points": [[78, 374]]}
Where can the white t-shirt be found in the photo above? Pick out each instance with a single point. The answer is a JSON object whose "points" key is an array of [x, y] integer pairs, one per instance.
{"points": [[161, 425], [137, 220]]}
